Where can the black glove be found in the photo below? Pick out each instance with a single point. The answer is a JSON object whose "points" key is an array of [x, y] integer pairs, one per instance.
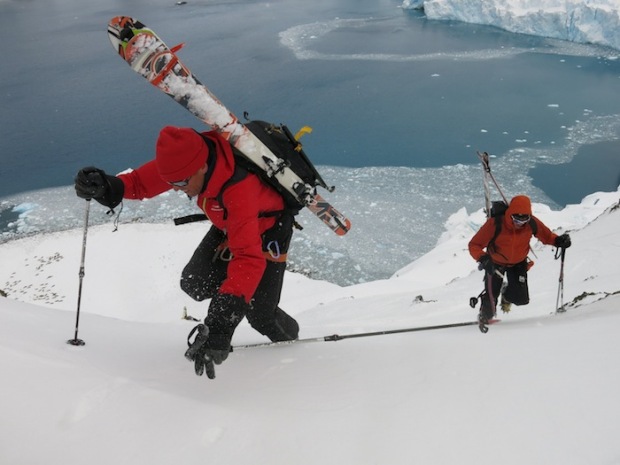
{"points": [[485, 263], [203, 353], [212, 343], [563, 241], [93, 183]]}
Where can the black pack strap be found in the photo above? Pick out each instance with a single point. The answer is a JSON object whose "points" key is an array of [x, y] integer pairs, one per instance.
{"points": [[239, 175], [190, 219], [210, 160], [272, 214]]}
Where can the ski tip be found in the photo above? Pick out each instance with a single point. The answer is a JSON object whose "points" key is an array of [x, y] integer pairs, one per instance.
{"points": [[118, 23], [343, 228]]}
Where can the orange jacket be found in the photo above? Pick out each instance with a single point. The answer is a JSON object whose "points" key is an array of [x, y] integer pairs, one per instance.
{"points": [[513, 243]]}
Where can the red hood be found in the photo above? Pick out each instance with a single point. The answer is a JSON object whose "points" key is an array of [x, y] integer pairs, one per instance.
{"points": [[519, 205]]}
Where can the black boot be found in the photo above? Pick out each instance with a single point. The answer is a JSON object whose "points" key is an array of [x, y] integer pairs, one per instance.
{"points": [[282, 327], [288, 328]]}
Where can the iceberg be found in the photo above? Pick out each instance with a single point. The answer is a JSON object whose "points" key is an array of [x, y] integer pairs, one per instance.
{"points": [[589, 21]]}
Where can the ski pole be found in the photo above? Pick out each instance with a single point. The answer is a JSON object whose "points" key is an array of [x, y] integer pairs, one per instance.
{"points": [[336, 337], [559, 303], [75, 341]]}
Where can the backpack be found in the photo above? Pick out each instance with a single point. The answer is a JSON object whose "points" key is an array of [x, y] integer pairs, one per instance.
{"points": [[281, 142], [498, 210]]}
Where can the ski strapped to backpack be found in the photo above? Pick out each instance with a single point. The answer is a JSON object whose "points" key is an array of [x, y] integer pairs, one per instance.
{"points": [[150, 57], [290, 153], [497, 208]]}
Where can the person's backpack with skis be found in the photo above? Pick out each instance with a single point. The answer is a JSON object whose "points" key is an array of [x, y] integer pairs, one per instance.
{"points": [[501, 248], [287, 147]]}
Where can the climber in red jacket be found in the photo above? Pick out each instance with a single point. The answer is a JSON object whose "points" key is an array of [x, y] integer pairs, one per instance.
{"points": [[240, 263]]}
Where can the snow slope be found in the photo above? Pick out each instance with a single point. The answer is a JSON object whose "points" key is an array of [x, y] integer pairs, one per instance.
{"points": [[583, 21], [539, 388]]}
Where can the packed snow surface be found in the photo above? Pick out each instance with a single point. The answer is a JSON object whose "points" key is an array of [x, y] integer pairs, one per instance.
{"points": [[538, 388]]}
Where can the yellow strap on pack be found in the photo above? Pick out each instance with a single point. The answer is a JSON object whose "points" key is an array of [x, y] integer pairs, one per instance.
{"points": [[302, 131]]}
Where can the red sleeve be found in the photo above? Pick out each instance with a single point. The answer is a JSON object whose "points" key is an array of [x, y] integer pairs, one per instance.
{"points": [[481, 239], [246, 268], [144, 182]]}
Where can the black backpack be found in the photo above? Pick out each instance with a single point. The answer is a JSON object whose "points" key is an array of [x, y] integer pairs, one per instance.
{"points": [[282, 143], [498, 210]]}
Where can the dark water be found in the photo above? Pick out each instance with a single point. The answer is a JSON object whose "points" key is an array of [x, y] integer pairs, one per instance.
{"points": [[399, 106], [380, 86], [595, 168]]}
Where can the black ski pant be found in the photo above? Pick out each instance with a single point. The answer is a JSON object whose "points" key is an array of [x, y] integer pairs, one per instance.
{"points": [[206, 271], [516, 290]]}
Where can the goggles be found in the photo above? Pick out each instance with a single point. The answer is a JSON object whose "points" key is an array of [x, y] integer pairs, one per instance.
{"points": [[182, 183], [520, 220]]}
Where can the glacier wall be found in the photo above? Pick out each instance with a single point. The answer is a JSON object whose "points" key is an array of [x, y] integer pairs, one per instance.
{"points": [[583, 21]]}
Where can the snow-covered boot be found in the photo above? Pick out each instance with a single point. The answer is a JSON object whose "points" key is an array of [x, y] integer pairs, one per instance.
{"points": [[505, 305]]}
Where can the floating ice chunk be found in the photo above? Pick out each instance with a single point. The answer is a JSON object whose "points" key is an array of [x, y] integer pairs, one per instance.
{"points": [[24, 207]]}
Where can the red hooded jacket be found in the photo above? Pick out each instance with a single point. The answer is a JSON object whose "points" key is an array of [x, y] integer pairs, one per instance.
{"points": [[513, 243], [243, 202]]}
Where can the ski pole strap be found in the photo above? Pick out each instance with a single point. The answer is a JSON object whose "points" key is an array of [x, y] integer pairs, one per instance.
{"points": [[194, 348], [191, 333], [560, 252]]}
